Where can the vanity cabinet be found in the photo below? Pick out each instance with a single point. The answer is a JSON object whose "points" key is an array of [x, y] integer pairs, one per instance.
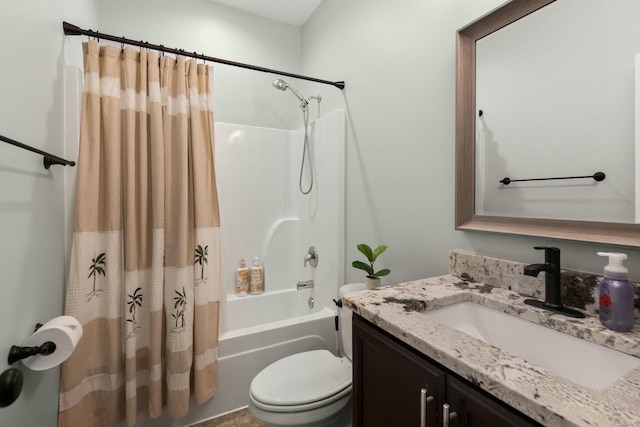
{"points": [[388, 381]]}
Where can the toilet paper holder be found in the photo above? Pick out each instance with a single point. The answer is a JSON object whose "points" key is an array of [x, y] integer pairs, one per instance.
{"points": [[66, 331], [11, 380], [18, 353]]}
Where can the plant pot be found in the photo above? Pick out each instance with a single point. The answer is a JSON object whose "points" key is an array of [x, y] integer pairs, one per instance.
{"points": [[371, 282]]}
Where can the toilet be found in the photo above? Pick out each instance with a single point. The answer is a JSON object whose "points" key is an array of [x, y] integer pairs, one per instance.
{"points": [[310, 389]]}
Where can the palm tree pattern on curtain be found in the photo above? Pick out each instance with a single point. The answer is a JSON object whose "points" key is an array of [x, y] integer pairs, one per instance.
{"points": [[201, 258], [134, 302], [179, 306], [145, 201], [97, 268]]}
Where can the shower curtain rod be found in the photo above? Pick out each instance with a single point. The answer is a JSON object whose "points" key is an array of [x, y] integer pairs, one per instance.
{"points": [[73, 30]]}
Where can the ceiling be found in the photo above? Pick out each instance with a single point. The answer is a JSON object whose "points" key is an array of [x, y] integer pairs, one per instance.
{"points": [[293, 12]]}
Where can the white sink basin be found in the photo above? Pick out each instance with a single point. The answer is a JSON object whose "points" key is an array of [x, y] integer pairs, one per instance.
{"points": [[580, 361]]}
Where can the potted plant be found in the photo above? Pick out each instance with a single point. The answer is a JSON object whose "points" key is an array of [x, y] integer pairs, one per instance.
{"points": [[372, 280]]}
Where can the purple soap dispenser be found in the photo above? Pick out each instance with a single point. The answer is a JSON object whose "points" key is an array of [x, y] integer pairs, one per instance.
{"points": [[616, 295]]}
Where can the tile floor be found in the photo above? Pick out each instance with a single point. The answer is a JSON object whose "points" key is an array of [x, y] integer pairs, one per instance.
{"points": [[241, 418]]}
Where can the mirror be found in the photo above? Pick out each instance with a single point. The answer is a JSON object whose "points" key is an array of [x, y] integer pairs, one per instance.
{"points": [[474, 171]]}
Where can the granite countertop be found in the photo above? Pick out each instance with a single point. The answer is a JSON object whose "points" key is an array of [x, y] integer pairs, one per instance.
{"points": [[534, 391]]}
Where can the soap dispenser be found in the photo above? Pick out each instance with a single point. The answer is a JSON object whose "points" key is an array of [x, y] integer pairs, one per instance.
{"points": [[616, 295]]}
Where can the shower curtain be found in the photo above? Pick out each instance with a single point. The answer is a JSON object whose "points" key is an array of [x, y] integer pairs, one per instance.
{"points": [[145, 263]]}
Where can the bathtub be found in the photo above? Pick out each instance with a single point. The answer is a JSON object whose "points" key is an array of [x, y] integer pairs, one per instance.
{"points": [[241, 314]]}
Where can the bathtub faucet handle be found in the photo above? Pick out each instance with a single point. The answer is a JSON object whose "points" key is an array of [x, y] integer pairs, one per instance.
{"points": [[307, 284], [311, 257]]}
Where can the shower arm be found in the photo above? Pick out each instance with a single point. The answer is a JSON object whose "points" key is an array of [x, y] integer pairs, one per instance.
{"points": [[304, 103]]}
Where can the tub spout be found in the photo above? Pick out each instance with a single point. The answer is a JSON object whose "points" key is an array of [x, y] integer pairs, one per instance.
{"points": [[307, 284]]}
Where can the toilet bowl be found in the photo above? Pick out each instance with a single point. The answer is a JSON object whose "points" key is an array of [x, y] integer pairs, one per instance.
{"points": [[310, 389]]}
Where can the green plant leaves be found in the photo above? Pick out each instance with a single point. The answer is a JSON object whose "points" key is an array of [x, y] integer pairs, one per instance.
{"points": [[371, 254], [362, 266], [377, 251], [366, 251], [383, 272], [371, 257]]}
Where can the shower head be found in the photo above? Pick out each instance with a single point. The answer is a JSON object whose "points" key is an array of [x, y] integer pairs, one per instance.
{"points": [[282, 85]]}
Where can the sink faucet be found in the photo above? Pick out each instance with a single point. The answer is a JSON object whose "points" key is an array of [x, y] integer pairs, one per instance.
{"points": [[552, 293], [551, 268]]}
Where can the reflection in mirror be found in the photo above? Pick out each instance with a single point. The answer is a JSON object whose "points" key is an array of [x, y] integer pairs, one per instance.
{"points": [[557, 93], [556, 84]]}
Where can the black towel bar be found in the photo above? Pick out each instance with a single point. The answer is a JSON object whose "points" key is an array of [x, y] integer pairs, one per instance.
{"points": [[598, 176], [49, 159]]}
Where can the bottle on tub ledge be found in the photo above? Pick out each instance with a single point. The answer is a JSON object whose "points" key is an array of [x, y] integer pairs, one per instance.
{"points": [[242, 279], [257, 278]]}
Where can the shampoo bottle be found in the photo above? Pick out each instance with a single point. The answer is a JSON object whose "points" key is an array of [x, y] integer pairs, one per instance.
{"points": [[257, 278], [242, 279], [616, 295]]}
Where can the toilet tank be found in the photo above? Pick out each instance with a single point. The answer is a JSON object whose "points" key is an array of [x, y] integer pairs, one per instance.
{"points": [[345, 318]]}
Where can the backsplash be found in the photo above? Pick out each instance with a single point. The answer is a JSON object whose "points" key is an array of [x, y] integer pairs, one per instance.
{"points": [[579, 289]]}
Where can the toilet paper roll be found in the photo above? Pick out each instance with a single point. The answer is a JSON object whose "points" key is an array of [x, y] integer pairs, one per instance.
{"points": [[64, 332]]}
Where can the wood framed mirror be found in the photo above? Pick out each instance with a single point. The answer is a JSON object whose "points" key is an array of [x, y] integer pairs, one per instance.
{"points": [[466, 217]]}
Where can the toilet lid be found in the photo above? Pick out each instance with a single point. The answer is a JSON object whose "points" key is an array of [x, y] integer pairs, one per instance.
{"points": [[302, 378]]}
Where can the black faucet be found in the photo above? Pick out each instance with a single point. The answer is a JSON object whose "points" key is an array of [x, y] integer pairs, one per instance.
{"points": [[552, 295]]}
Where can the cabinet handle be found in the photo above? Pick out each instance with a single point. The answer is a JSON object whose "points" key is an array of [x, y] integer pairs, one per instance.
{"points": [[446, 416], [424, 399]]}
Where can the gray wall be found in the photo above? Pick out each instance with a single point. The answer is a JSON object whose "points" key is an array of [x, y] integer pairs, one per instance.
{"points": [[398, 60], [31, 198]]}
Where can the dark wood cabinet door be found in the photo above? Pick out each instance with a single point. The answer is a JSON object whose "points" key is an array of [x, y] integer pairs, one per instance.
{"points": [[388, 379], [474, 409], [388, 376]]}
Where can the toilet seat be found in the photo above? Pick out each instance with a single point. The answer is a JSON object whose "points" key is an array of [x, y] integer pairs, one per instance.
{"points": [[302, 382], [346, 393]]}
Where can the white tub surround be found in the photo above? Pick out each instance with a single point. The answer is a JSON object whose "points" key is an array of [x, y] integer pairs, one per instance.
{"points": [[536, 392], [264, 215]]}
